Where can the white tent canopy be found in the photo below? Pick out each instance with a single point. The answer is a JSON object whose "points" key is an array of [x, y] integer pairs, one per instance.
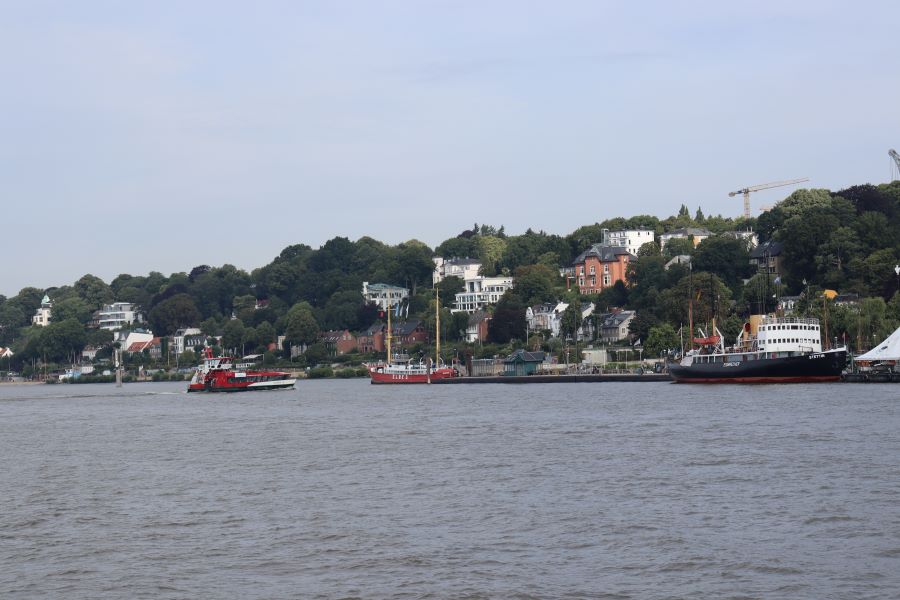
{"points": [[889, 349]]}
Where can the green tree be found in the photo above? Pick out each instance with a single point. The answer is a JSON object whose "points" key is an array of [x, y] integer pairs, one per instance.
{"points": [[571, 320], [537, 283], [93, 291], [172, 314], [233, 334], [60, 341], [71, 308], [661, 338], [301, 328], [726, 257]]}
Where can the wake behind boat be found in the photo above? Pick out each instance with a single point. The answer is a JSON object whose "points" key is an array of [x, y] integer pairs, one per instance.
{"points": [[221, 374]]}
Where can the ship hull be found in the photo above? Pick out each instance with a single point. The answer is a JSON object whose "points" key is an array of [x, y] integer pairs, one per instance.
{"points": [[243, 387], [389, 375], [808, 368]]}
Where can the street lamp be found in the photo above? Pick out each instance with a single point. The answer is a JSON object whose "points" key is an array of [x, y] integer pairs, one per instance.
{"points": [[897, 271]]}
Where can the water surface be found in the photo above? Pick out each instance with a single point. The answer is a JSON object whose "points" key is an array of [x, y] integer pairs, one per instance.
{"points": [[343, 489]]}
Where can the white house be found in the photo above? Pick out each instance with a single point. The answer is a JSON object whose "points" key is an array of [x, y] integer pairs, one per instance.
{"points": [[117, 315], [464, 268], [383, 294], [127, 338], [481, 291], [549, 316], [42, 315], [6, 352], [183, 338], [630, 239]]}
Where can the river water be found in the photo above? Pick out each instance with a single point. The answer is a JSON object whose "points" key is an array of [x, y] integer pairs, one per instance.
{"points": [[344, 489]]}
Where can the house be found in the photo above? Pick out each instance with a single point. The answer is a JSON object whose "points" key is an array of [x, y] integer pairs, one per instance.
{"points": [[464, 268], [187, 339], [6, 352], [681, 259], [89, 353], [630, 239], [767, 257], [383, 294], [338, 342], [787, 304], [117, 315], [695, 234], [153, 348], [750, 238], [521, 362], [851, 299], [41, 316], [477, 327], [372, 339], [480, 292], [409, 333], [614, 326], [548, 316], [600, 267]]}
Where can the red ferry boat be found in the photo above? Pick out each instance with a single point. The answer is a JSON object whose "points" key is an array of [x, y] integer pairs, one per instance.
{"points": [[221, 374]]}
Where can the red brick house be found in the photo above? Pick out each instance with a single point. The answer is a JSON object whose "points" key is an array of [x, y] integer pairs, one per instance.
{"points": [[410, 333], [601, 267], [338, 342], [372, 339]]}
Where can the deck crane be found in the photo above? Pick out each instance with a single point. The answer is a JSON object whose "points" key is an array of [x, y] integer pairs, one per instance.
{"points": [[763, 186], [893, 154]]}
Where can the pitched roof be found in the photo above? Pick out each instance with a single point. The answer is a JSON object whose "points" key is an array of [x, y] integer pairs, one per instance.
{"points": [[406, 327], [770, 248], [376, 327], [686, 231], [602, 253], [525, 356]]}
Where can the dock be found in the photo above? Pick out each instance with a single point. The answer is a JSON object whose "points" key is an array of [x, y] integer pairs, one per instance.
{"points": [[581, 378]]}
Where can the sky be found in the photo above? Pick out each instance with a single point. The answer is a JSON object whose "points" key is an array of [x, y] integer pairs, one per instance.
{"points": [[156, 136]]}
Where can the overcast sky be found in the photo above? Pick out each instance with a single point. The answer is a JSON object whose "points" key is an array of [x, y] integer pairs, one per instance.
{"points": [[139, 136]]}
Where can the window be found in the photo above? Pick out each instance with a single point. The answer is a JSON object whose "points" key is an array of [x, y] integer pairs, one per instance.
{"points": [[606, 268], [592, 269]]}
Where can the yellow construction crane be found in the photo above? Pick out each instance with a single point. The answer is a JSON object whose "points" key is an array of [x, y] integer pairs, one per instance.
{"points": [[763, 186]]}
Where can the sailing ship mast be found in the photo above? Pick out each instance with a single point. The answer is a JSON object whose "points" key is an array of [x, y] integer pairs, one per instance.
{"points": [[437, 326], [388, 337]]}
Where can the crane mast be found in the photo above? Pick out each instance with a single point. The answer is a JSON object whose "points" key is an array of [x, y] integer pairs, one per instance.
{"points": [[763, 186], [893, 154]]}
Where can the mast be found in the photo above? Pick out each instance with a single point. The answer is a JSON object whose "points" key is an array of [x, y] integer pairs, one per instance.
{"points": [[437, 326], [691, 306], [388, 337]]}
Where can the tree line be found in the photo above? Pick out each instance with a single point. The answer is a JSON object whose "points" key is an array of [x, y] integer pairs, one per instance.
{"points": [[847, 240]]}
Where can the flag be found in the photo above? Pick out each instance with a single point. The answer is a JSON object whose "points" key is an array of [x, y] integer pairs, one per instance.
{"points": [[397, 310]]}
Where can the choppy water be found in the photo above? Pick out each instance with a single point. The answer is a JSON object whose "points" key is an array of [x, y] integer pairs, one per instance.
{"points": [[342, 489]]}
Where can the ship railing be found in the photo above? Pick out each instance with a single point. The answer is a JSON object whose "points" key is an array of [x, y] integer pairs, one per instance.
{"points": [[790, 320]]}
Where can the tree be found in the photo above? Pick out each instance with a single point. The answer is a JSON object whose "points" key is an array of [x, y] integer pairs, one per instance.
{"points": [[726, 257], [678, 246], [448, 288], [71, 308], [536, 284], [301, 328], [233, 334], [93, 291], [172, 314], [265, 333], [571, 320], [508, 321], [60, 341], [661, 338]]}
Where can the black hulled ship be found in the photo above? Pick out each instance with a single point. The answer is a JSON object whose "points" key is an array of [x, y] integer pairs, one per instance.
{"points": [[769, 350]]}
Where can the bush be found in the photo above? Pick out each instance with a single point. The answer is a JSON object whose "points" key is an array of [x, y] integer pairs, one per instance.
{"points": [[320, 372], [346, 373], [362, 372]]}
